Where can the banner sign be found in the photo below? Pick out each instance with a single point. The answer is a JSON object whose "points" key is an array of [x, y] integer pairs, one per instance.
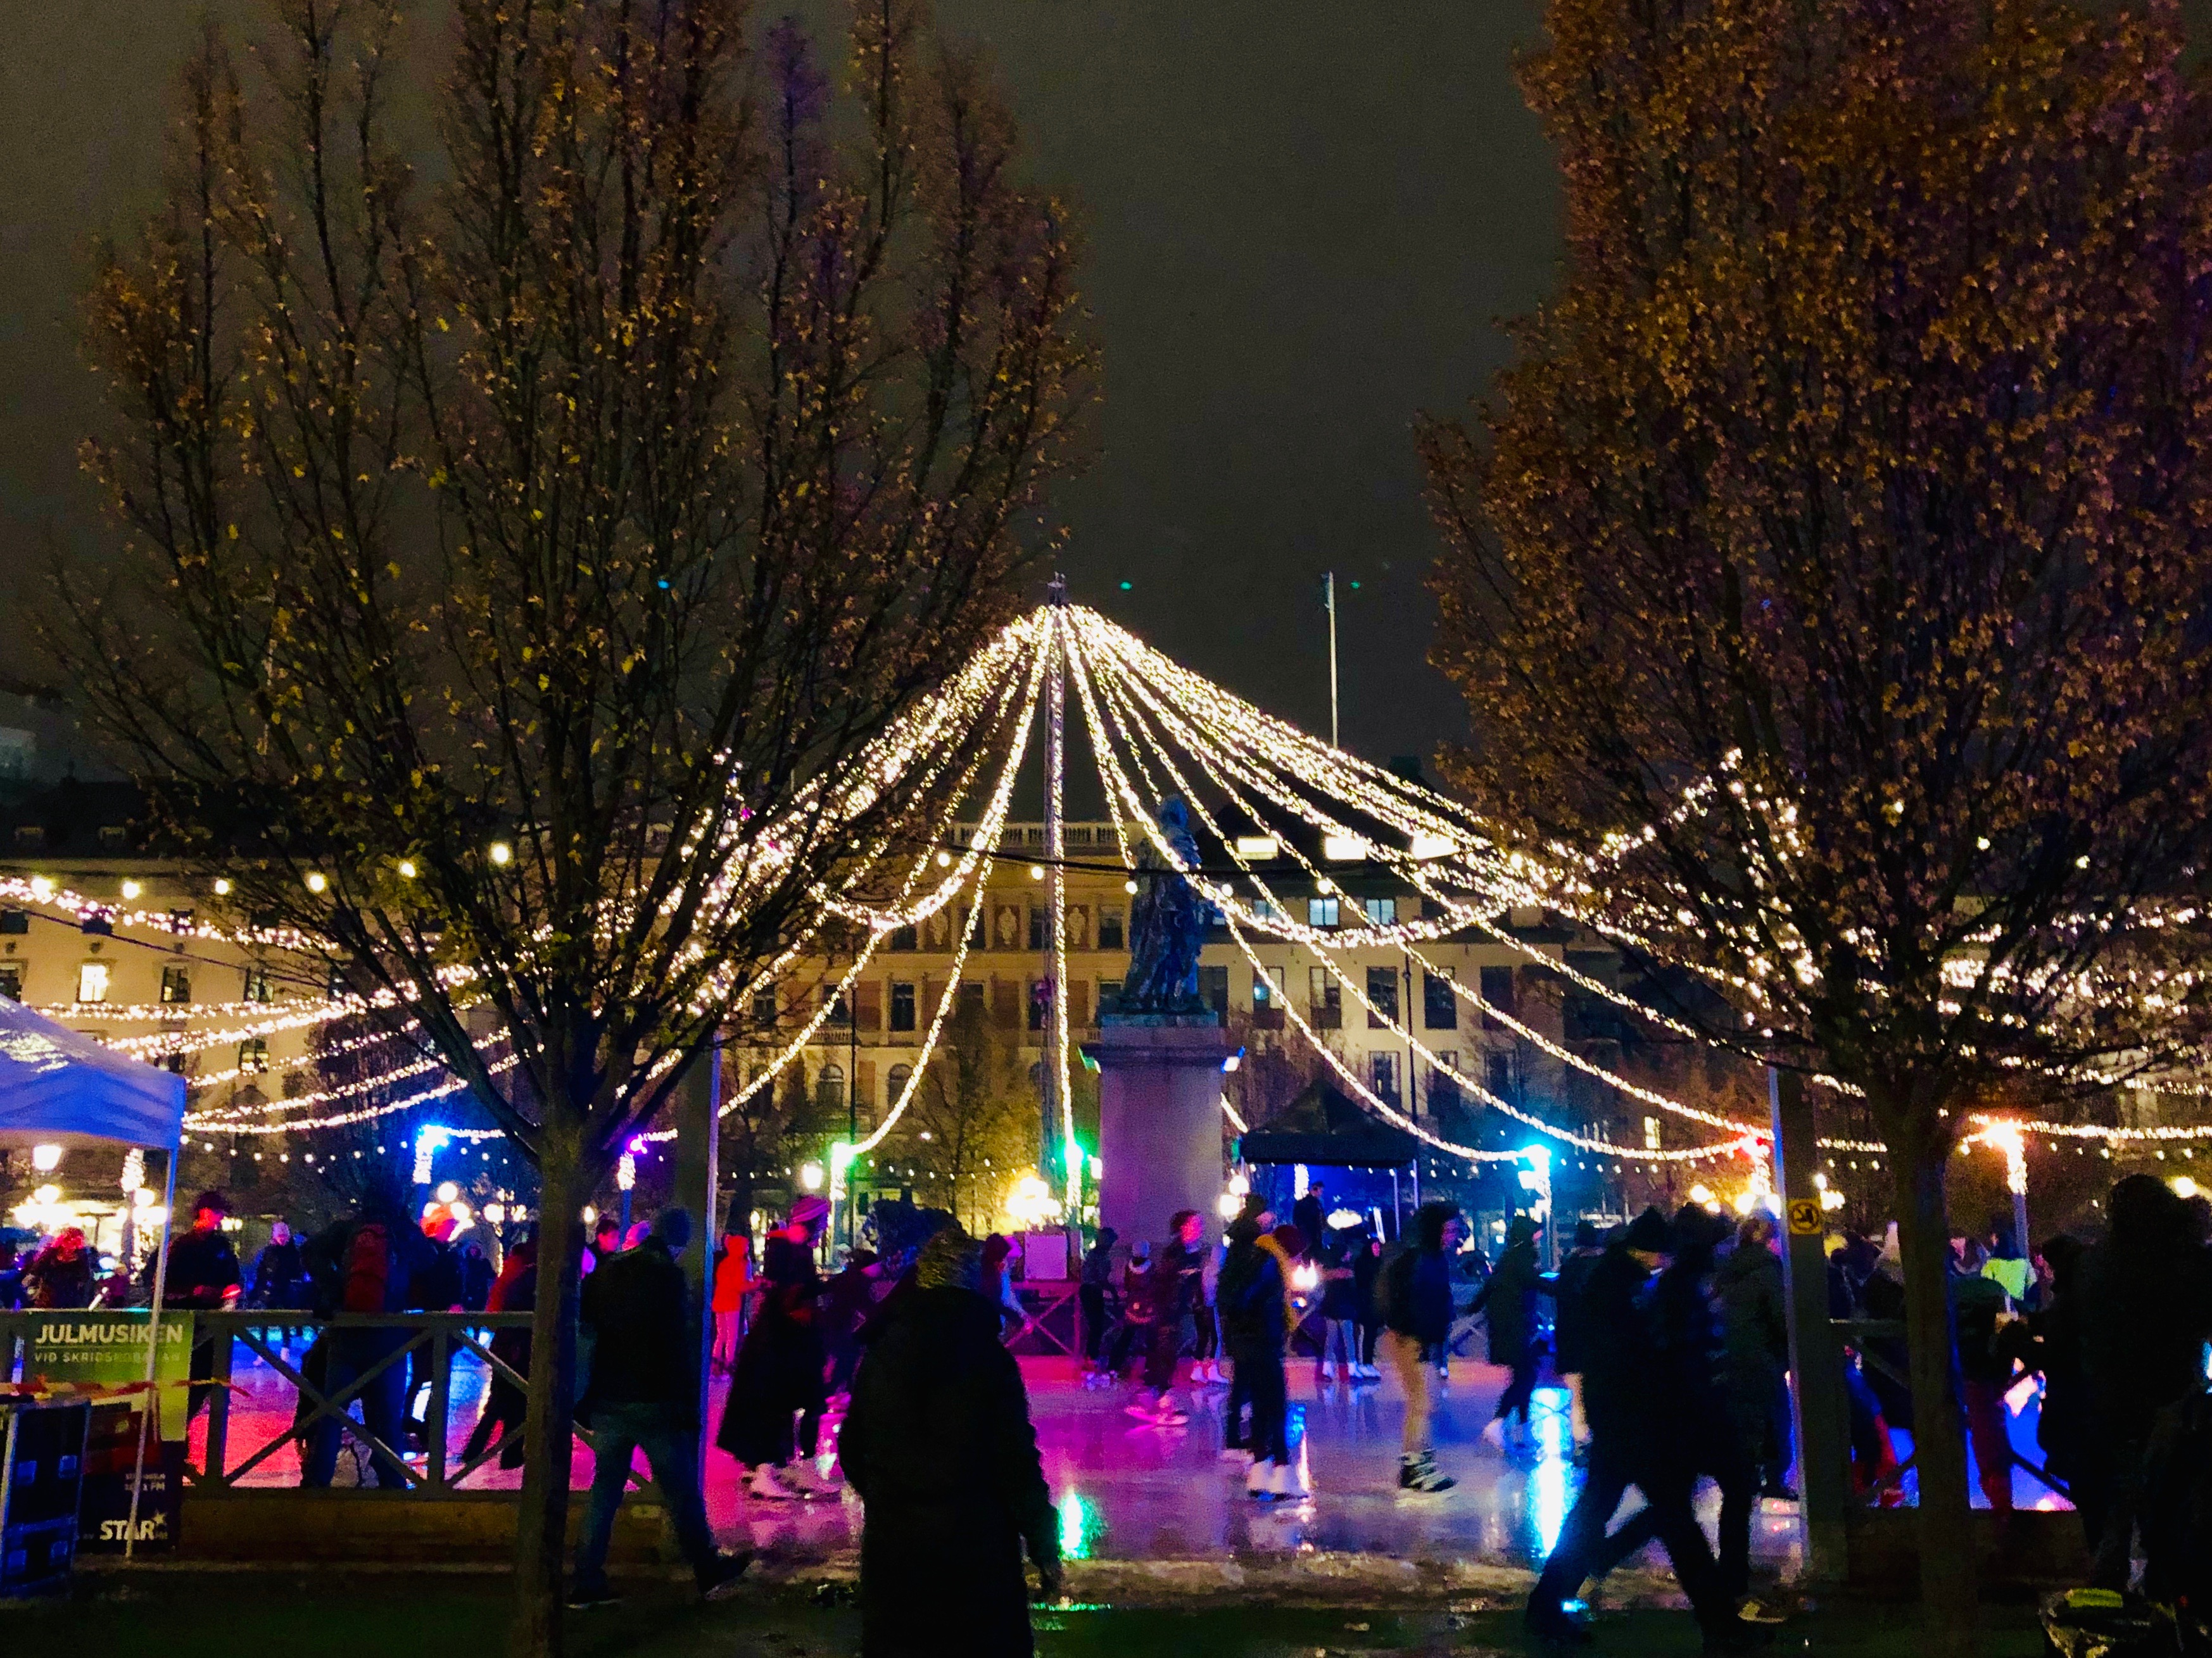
{"points": [[111, 1455], [107, 1347]]}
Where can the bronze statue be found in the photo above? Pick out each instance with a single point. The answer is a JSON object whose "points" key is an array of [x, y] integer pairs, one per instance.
{"points": [[1167, 925]]}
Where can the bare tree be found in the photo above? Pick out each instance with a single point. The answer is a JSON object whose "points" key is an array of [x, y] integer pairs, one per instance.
{"points": [[522, 567]]}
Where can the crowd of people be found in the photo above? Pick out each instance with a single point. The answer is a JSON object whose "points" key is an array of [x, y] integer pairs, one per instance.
{"points": [[1669, 1335]]}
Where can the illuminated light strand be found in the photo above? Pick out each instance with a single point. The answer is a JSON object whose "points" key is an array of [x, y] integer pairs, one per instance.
{"points": [[993, 824], [996, 818], [1323, 945], [43, 892], [1071, 1151], [1121, 793], [167, 1012], [215, 1123]]}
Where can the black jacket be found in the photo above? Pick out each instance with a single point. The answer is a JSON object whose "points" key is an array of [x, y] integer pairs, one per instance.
{"points": [[1571, 1322], [276, 1275], [326, 1256], [1510, 1299], [1621, 1360], [637, 1308], [202, 1267], [1249, 1298], [1754, 1316], [938, 1444]]}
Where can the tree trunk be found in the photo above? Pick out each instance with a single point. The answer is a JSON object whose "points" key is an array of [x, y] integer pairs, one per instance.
{"points": [[1946, 1546], [541, 1537]]}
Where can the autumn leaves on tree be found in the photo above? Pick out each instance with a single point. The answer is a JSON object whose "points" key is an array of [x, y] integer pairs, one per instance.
{"points": [[1829, 566]]}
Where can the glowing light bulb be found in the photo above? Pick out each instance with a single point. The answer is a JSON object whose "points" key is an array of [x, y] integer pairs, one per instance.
{"points": [[316, 881], [132, 889], [406, 869], [46, 1158], [222, 886], [501, 853]]}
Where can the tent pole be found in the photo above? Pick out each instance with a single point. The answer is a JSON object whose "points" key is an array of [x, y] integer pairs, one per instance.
{"points": [[153, 1344]]}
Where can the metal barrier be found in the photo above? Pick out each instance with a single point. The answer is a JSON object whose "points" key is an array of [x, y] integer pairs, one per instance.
{"points": [[268, 1338]]}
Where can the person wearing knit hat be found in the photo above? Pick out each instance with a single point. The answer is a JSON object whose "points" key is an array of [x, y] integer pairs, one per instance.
{"points": [[938, 1444], [779, 1372]]}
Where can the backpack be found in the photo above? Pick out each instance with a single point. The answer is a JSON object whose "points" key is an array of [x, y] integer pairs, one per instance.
{"points": [[370, 1259]]}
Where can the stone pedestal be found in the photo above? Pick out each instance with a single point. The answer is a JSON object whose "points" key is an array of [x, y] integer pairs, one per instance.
{"points": [[1160, 1125]]}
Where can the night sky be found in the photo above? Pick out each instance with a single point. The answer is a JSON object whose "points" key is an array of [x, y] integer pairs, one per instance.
{"points": [[1305, 222]]}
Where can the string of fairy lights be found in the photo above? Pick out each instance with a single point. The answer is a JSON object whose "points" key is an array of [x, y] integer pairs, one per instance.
{"points": [[1156, 732]]}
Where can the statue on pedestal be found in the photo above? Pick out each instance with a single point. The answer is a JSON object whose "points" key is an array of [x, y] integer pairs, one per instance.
{"points": [[1167, 925]]}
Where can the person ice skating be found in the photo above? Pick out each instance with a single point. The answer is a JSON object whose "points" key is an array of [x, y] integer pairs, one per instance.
{"points": [[1568, 1320], [277, 1272], [643, 1395], [1754, 1324], [1636, 1439], [733, 1281], [1177, 1268], [370, 1262], [1254, 1302], [1510, 1299], [778, 1373], [1415, 1292], [939, 1446], [506, 1405], [1094, 1295]]}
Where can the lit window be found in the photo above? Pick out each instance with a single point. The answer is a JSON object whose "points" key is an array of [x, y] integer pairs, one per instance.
{"points": [[92, 982], [259, 987], [176, 984], [1651, 1133], [1321, 912], [253, 1055], [1381, 912]]}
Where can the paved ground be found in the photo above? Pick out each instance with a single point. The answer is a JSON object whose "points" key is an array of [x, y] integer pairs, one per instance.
{"points": [[328, 1616]]}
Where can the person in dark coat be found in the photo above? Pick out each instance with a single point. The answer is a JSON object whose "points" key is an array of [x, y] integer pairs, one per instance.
{"points": [[367, 1262], [643, 1395], [1755, 1327], [1339, 1306], [1366, 1267], [1310, 1214], [1570, 1323], [2054, 1350], [939, 1445], [278, 1279], [204, 1276], [778, 1373], [1510, 1299], [1178, 1290], [60, 1275], [1254, 1302], [1632, 1388], [2146, 1311], [1094, 1295], [476, 1278]]}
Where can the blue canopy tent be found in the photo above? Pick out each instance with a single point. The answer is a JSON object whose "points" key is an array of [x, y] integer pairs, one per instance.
{"points": [[58, 1087]]}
